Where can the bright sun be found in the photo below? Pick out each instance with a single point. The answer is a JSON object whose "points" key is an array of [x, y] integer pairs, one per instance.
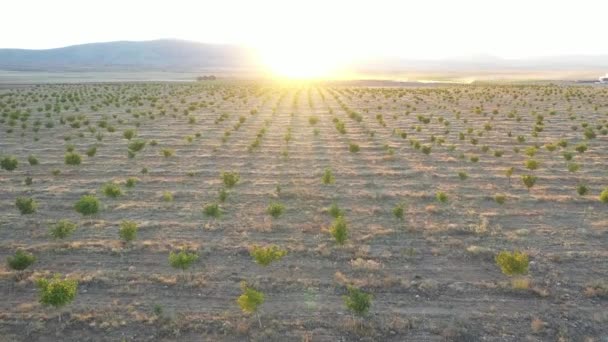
{"points": [[299, 63]]}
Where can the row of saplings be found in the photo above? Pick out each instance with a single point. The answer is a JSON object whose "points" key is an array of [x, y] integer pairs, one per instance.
{"points": [[58, 292]]}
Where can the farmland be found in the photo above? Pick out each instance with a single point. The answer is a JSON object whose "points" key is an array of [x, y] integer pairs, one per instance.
{"points": [[168, 202]]}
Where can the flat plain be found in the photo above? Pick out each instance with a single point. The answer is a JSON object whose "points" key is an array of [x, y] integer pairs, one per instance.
{"points": [[429, 181]]}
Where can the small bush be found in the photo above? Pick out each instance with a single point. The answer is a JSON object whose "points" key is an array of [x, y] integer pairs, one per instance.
{"points": [[128, 231], [212, 210], [72, 158], [167, 196], [512, 263], [339, 230], [91, 151], [129, 134], [441, 196], [398, 211], [354, 148], [604, 196], [9, 163], [21, 260], [26, 205], [528, 180], [55, 291], [250, 300], [500, 199], [275, 209], [335, 211], [230, 178], [167, 152], [328, 177], [131, 182], [266, 255], [357, 301], [111, 190], [581, 148], [582, 189], [182, 260], [313, 120], [62, 229], [136, 145], [223, 195], [463, 175], [87, 205], [532, 164], [426, 149], [32, 160]]}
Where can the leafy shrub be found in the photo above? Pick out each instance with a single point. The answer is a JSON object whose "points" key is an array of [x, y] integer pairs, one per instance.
{"points": [[131, 182], [182, 260], [354, 148], [167, 152], [87, 205], [136, 145], [128, 134], [128, 231], [32, 160], [21, 260], [357, 301], [335, 211], [9, 163], [111, 190], [212, 210], [581, 148], [528, 180], [250, 300], [426, 149], [275, 209], [313, 120], [230, 178], [167, 196], [500, 198], [62, 229], [441, 196], [398, 211], [573, 167], [91, 151], [463, 175], [532, 164], [265, 255], [223, 195], [512, 262], [339, 230], [26, 205], [55, 291], [604, 196], [328, 177], [582, 189], [72, 158]]}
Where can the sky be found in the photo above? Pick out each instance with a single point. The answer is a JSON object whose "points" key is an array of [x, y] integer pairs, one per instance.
{"points": [[322, 32]]}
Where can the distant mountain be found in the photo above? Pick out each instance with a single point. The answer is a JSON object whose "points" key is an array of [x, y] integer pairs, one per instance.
{"points": [[185, 56], [164, 54]]}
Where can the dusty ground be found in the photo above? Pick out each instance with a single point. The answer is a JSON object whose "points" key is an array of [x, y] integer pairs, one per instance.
{"points": [[432, 275]]}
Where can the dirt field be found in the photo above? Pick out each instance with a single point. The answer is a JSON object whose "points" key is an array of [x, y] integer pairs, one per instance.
{"points": [[432, 274]]}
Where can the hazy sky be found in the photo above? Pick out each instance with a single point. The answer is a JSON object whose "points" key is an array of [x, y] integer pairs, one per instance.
{"points": [[336, 29]]}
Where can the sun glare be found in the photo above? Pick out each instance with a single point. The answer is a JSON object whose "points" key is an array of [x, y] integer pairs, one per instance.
{"points": [[299, 63]]}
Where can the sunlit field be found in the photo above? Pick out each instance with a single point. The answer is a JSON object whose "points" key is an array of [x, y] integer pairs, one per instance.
{"points": [[235, 211]]}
